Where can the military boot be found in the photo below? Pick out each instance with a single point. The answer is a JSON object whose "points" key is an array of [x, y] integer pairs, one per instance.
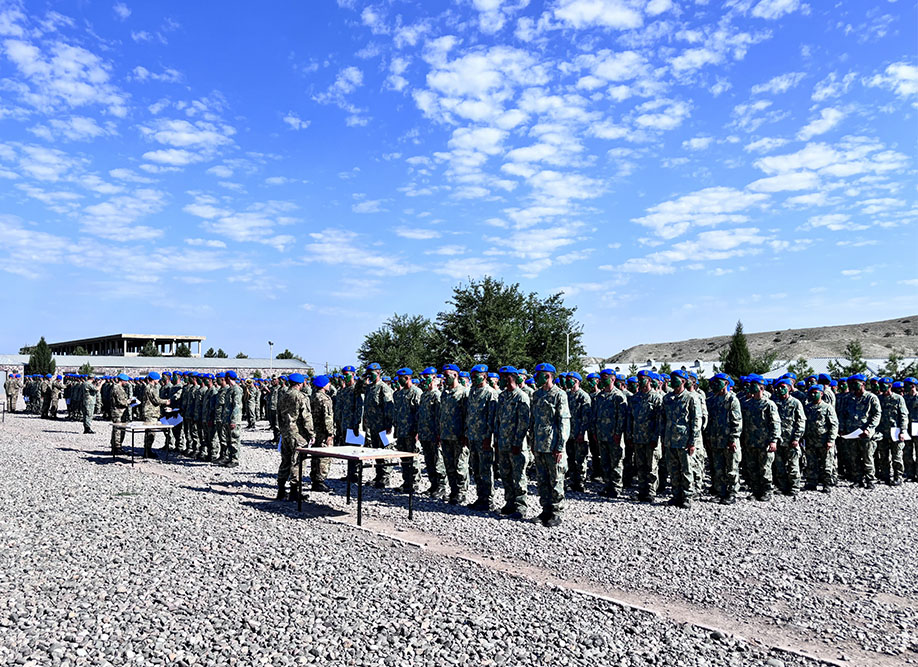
{"points": [[281, 491]]}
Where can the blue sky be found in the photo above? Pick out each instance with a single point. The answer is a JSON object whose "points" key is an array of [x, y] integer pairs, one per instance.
{"points": [[303, 171]]}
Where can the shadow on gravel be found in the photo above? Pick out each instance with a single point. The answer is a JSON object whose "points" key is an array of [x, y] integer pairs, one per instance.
{"points": [[107, 460], [311, 510]]}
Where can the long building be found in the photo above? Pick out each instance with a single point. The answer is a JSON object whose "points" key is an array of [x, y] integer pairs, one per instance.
{"points": [[135, 366], [126, 345]]}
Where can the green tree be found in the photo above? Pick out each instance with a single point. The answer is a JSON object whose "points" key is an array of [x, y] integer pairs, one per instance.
{"points": [[257, 374], [402, 340], [632, 370], [736, 360], [41, 360], [852, 363], [893, 366], [242, 355], [182, 350], [666, 369], [86, 369], [765, 362], [210, 354], [221, 354], [801, 368], [80, 351], [149, 349], [286, 354]]}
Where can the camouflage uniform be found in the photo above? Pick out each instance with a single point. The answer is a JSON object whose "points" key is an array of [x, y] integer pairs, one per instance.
{"points": [[220, 446], [323, 420], [294, 419], [787, 457], [429, 434], [210, 424], [894, 414], [271, 409], [844, 449], [377, 417], [581, 407], [821, 432], [645, 425], [511, 426], [90, 394], [120, 414], [722, 437], [451, 420], [406, 402], [610, 419], [862, 412], [175, 401], [681, 432], [481, 405], [700, 457], [233, 423], [549, 431], [251, 396], [761, 426], [911, 446], [151, 407], [202, 427]]}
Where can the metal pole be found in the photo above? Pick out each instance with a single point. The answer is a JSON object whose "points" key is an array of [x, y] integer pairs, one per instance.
{"points": [[271, 357]]}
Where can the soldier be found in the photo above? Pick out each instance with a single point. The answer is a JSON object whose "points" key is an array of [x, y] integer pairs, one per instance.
{"points": [[151, 409], [722, 438], [526, 382], [861, 410], [910, 394], [350, 400], [250, 395], [429, 432], [406, 402], [271, 407], [120, 412], [377, 417], [232, 421], [681, 437], [793, 426], [592, 388], [451, 421], [294, 419], [481, 405], [89, 394], [175, 401], [209, 422], [645, 426], [549, 431], [323, 420], [894, 416], [511, 427], [821, 432], [762, 429], [581, 407], [610, 418]]}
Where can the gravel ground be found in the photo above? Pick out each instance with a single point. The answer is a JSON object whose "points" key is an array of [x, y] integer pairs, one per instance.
{"points": [[182, 563]]}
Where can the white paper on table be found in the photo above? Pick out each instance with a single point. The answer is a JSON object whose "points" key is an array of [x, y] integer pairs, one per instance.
{"points": [[894, 434], [914, 428], [854, 435], [350, 439], [384, 439]]}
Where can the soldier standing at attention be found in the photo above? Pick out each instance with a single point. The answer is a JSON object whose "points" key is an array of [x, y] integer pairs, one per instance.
{"points": [[610, 417], [151, 410], [581, 407], [233, 421], [911, 403], [725, 428], [294, 419], [762, 428], [377, 417], [323, 419], [511, 427], [90, 394], [429, 432], [251, 403], [646, 425], [120, 412], [793, 426], [681, 437], [406, 402], [862, 410], [549, 432], [479, 428], [451, 420], [894, 415], [821, 432]]}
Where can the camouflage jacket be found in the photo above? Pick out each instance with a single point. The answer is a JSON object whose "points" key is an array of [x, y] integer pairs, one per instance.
{"points": [[860, 412], [550, 424], [90, 392], [581, 406], [610, 415], [828, 396], [911, 404], [511, 423], [406, 402], [681, 421], [821, 424], [429, 415], [377, 408], [323, 417], [646, 417], [451, 418], [703, 405], [294, 417], [233, 407], [151, 404], [793, 419], [725, 420], [120, 403], [351, 402], [480, 408], [894, 414], [761, 422]]}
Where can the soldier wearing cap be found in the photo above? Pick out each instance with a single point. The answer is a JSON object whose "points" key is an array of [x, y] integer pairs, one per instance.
{"points": [[511, 428], [406, 402], [323, 420], [793, 426], [481, 406], [892, 430], [821, 432], [120, 413], [645, 428], [595, 468], [610, 415], [89, 395], [581, 407], [294, 419], [451, 421], [910, 394], [681, 437], [722, 437], [151, 409], [762, 428], [232, 421], [377, 416], [429, 432], [549, 431], [862, 411]]}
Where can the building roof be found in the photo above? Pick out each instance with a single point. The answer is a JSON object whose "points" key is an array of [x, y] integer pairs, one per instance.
{"points": [[156, 363], [128, 336]]}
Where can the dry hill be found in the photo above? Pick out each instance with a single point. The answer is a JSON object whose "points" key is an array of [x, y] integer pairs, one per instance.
{"points": [[878, 339]]}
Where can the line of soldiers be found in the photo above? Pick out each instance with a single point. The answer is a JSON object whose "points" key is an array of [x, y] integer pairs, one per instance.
{"points": [[767, 434]]}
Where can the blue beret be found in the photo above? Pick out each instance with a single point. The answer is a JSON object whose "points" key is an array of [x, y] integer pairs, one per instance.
{"points": [[415, 381], [633, 378], [755, 377], [910, 380], [450, 367], [575, 375], [167, 373], [801, 384], [48, 376], [404, 371], [619, 376], [786, 381], [860, 377], [374, 367], [123, 376], [348, 369], [430, 370], [898, 385], [523, 371], [530, 381], [232, 375], [562, 374], [594, 376], [818, 387], [824, 378], [792, 376], [767, 381], [492, 374], [545, 368], [479, 368], [153, 375], [507, 369], [607, 371], [833, 383], [679, 373], [810, 377], [721, 376], [886, 380], [644, 373], [464, 374], [440, 375], [693, 375], [221, 375], [320, 381], [296, 378]]}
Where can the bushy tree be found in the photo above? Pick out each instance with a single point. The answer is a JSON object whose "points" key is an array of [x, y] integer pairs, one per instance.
{"points": [[86, 369], [853, 362], [242, 355], [801, 368], [182, 350], [41, 360], [149, 349], [402, 340], [737, 361], [632, 370], [221, 354], [210, 354], [257, 374], [80, 351]]}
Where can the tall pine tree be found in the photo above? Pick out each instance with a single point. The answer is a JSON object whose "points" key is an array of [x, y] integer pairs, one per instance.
{"points": [[41, 360], [737, 361]]}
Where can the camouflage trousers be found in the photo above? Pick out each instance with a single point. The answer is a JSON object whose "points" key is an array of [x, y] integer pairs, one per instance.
{"points": [[819, 465], [613, 456], [864, 469], [647, 464], [233, 443], [513, 477], [117, 436], [889, 455], [289, 463], [760, 470], [272, 420], [725, 464], [319, 466], [595, 456], [576, 459], [89, 411], [550, 481], [845, 453], [382, 467], [409, 466], [456, 460], [177, 434], [481, 466], [11, 399], [699, 463], [909, 459], [433, 461], [786, 468], [679, 463]]}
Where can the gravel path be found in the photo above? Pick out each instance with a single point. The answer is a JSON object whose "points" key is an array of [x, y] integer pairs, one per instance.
{"points": [[187, 564]]}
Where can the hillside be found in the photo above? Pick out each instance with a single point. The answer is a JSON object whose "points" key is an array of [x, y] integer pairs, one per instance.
{"points": [[879, 339]]}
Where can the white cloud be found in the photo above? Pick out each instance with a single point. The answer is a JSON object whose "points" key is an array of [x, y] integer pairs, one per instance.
{"points": [[832, 86], [121, 10], [74, 128], [368, 206], [184, 134], [467, 267], [697, 143], [828, 119], [341, 247], [220, 171], [114, 219], [773, 9], [795, 180], [615, 14], [207, 243], [662, 114], [168, 75], [765, 145], [295, 122], [447, 250], [901, 78], [257, 223], [705, 208], [834, 222], [417, 233], [348, 80], [779, 84], [715, 245], [174, 157]]}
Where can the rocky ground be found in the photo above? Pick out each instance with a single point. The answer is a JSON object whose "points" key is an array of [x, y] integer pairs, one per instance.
{"points": [[177, 562]]}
